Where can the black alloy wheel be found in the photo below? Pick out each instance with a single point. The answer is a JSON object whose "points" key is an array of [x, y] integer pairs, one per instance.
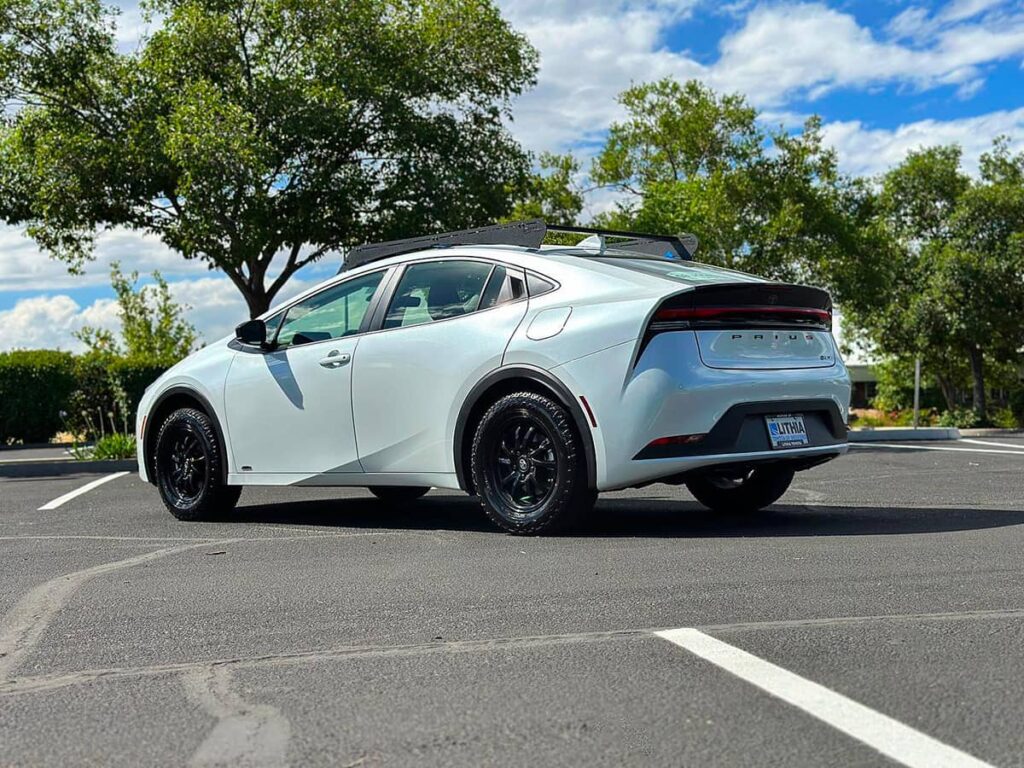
{"points": [[182, 460], [523, 465], [188, 467], [529, 465]]}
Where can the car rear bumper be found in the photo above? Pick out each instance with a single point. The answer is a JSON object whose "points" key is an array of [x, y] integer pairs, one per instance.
{"points": [[668, 392], [742, 430], [673, 470]]}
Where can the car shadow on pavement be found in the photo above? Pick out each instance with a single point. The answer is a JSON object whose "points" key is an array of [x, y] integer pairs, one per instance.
{"points": [[639, 517]]}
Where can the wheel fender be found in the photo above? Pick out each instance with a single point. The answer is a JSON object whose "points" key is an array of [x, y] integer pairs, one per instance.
{"points": [[152, 428], [547, 381]]}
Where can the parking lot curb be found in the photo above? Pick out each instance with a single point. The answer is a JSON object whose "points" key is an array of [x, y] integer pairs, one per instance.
{"points": [[58, 467], [884, 434], [991, 432]]}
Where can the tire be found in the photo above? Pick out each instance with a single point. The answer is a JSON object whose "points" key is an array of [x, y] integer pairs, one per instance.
{"points": [[529, 466], [397, 494], [754, 490], [188, 464]]}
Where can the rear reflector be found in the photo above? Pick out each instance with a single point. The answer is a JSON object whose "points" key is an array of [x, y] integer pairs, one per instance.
{"points": [[675, 440], [590, 413]]}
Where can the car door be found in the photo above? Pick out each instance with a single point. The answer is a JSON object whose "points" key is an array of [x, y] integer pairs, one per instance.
{"points": [[445, 326], [289, 409]]}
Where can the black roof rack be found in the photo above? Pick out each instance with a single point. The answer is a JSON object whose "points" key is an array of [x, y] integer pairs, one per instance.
{"points": [[527, 234]]}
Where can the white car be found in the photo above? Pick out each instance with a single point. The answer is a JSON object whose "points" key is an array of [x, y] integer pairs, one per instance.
{"points": [[531, 376]]}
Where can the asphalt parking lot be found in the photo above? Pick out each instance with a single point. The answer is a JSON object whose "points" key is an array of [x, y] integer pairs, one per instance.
{"points": [[874, 617]]}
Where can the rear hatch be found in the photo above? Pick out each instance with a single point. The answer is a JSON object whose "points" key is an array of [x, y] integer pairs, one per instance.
{"points": [[753, 325]]}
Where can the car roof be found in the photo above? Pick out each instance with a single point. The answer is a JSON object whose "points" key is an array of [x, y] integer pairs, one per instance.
{"points": [[554, 261], [596, 273]]}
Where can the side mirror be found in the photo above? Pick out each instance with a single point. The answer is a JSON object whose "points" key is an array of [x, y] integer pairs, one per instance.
{"points": [[252, 332]]}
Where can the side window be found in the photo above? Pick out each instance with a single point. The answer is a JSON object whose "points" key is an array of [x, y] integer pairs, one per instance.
{"points": [[502, 287], [335, 312], [537, 284], [497, 291], [437, 290]]}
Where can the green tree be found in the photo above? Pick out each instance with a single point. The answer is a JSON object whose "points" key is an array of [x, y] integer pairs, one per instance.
{"points": [[553, 193], [153, 327], [689, 160], [258, 135], [954, 267]]}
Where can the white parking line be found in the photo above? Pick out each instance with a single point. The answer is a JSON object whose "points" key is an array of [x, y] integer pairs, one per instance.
{"points": [[890, 737], [79, 491], [1018, 446], [935, 448]]}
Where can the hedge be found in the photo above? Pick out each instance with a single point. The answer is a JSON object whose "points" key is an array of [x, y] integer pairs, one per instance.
{"points": [[35, 386]]}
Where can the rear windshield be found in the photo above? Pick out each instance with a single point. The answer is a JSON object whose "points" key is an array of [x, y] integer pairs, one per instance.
{"points": [[689, 272]]}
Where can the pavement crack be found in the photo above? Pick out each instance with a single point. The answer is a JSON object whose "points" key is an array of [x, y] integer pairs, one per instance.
{"points": [[245, 734], [23, 625]]}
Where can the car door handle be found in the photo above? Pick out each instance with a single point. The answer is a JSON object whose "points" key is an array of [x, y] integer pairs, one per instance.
{"points": [[335, 359]]}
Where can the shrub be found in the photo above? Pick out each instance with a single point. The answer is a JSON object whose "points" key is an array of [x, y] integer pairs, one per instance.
{"points": [[961, 418], [134, 375], [115, 446], [34, 388], [1017, 406], [108, 393], [93, 397]]}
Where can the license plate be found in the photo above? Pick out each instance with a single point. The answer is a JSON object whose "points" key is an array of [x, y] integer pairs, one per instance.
{"points": [[786, 431]]}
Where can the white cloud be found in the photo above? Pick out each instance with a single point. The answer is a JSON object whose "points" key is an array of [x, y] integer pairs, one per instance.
{"points": [[864, 150], [24, 267], [49, 322], [212, 304], [587, 59], [591, 51], [807, 50]]}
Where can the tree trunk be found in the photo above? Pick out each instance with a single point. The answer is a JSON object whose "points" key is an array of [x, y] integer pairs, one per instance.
{"points": [[948, 391], [978, 374], [258, 302]]}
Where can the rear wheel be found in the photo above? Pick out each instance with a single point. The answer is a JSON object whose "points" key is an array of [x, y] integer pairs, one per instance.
{"points": [[189, 467], [742, 492], [529, 465], [397, 494]]}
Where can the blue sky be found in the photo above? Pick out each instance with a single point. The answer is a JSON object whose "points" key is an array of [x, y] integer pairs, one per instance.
{"points": [[886, 77]]}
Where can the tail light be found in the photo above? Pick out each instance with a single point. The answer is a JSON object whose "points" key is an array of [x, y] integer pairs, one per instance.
{"points": [[726, 306], [744, 317]]}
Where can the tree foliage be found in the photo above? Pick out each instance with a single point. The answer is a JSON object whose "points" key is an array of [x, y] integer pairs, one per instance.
{"points": [[258, 135], [689, 160], [153, 326], [552, 193], [954, 267]]}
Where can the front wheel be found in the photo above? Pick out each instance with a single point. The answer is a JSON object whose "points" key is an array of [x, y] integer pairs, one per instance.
{"points": [[741, 492], [529, 465], [189, 467]]}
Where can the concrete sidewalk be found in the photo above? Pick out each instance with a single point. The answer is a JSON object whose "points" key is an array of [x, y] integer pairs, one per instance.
{"points": [[901, 434], [53, 460]]}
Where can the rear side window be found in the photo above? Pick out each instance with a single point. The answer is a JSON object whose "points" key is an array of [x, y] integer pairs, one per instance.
{"points": [[437, 290], [537, 284]]}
